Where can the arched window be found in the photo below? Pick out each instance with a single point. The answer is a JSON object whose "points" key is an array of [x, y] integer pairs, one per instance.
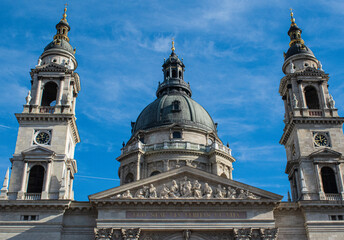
{"points": [[167, 73], [328, 180], [177, 134], [174, 73], [36, 177], [155, 173], [180, 75], [129, 178], [49, 94], [175, 106], [312, 99]]}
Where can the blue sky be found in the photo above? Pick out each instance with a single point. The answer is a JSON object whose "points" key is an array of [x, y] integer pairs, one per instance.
{"points": [[233, 52]]}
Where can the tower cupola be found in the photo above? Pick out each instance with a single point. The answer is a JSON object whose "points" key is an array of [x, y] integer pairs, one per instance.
{"points": [[294, 32], [62, 27], [173, 69], [299, 56]]}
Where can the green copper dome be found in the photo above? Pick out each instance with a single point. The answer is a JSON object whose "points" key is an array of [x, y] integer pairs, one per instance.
{"points": [[60, 44], [174, 108]]}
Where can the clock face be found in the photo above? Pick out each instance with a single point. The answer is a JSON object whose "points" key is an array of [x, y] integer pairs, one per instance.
{"points": [[321, 140], [42, 138]]}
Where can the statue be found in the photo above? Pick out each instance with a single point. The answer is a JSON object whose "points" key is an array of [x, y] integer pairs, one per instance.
{"points": [[146, 191], [174, 189], [152, 191], [320, 66], [39, 62], [197, 189], [28, 98], [218, 192], [139, 193], [127, 194], [164, 192], [208, 192], [292, 67], [182, 188], [231, 193], [187, 189], [295, 102], [331, 102], [242, 194]]}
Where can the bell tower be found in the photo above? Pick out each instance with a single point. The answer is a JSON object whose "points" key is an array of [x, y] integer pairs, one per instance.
{"points": [[313, 135], [43, 164]]}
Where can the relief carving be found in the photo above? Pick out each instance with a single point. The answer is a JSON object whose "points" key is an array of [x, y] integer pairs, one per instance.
{"points": [[186, 188], [242, 234], [131, 233]]}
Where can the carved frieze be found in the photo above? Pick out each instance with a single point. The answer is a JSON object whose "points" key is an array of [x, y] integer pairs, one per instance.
{"points": [[187, 188]]}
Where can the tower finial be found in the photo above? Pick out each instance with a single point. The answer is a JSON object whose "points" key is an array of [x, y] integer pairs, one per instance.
{"points": [[173, 48], [292, 19], [64, 16]]}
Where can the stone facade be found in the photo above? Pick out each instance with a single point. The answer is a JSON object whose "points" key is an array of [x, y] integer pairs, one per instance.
{"points": [[176, 174]]}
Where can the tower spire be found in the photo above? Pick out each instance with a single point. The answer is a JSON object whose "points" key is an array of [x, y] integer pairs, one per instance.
{"points": [[62, 27], [173, 48], [292, 19], [294, 31], [64, 16]]}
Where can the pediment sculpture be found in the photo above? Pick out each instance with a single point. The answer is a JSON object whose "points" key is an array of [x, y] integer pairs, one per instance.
{"points": [[186, 188]]}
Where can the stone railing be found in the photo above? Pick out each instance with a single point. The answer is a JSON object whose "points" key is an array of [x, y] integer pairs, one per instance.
{"points": [[46, 109], [315, 113], [333, 196], [32, 196], [176, 145], [173, 81]]}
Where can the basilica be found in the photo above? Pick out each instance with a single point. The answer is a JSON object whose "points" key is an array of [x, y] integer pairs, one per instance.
{"points": [[175, 172]]}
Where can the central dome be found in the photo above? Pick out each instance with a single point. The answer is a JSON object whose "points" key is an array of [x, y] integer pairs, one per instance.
{"points": [[174, 108]]}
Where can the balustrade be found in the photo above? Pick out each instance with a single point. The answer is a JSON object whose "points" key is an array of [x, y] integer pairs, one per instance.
{"points": [[46, 109], [32, 196]]}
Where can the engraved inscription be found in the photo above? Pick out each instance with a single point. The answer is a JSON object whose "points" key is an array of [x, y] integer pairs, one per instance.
{"points": [[185, 214]]}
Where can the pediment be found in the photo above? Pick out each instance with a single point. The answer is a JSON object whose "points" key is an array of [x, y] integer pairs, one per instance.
{"points": [[51, 67], [188, 184], [38, 151], [325, 153]]}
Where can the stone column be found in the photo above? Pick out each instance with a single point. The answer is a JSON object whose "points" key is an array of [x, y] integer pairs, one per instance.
{"points": [[138, 163], [340, 181], [60, 93], [302, 96], [320, 189], [37, 96], [23, 182], [46, 184], [322, 94]]}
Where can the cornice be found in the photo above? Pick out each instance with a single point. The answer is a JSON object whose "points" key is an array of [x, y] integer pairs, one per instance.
{"points": [[39, 117], [183, 202], [28, 204], [307, 120]]}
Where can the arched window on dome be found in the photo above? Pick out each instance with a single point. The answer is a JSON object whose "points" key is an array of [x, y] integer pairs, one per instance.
{"points": [[180, 74], [311, 96], [36, 177], [328, 180], [155, 173], [176, 106], [129, 178], [49, 94]]}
